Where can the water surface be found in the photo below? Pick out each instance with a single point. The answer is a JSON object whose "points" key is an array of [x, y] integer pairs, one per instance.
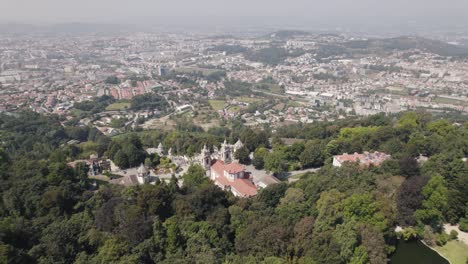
{"points": [[415, 252]]}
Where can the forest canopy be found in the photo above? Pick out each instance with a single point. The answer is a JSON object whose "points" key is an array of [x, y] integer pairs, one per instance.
{"points": [[53, 213]]}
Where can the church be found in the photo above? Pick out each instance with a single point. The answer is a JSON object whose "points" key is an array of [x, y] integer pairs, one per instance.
{"points": [[225, 172]]}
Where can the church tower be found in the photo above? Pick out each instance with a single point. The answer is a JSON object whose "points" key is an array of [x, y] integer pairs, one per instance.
{"points": [[143, 174], [205, 158], [226, 152]]}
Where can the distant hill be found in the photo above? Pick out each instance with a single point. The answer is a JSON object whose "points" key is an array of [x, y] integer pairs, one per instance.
{"points": [[63, 28], [16, 28], [229, 49], [286, 34], [405, 43]]}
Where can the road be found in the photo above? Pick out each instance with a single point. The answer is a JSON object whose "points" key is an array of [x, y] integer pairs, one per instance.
{"points": [[462, 236], [293, 173]]}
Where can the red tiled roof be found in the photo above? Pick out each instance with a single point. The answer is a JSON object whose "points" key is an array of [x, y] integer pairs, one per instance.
{"points": [[218, 167], [348, 157], [233, 167], [244, 187], [127, 180], [223, 181]]}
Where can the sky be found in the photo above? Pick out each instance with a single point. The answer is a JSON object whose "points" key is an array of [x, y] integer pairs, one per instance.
{"points": [[187, 12]]}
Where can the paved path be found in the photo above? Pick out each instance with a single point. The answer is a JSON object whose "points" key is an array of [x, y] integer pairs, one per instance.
{"points": [[292, 179], [292, 173], [462, 236], [260, 173], [99, 177]]}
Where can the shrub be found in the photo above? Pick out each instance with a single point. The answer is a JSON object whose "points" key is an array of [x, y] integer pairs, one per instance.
{"points": [[428, 236], [409, 234], [463, 225], [441, 239], [453, 235]]}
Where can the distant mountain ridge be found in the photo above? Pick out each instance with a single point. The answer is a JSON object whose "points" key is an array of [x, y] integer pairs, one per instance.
{"points": [[406, 43], [63, 28], [286, 34]]}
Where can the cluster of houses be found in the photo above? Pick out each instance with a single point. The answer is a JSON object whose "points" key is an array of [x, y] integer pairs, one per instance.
{"points": [[364, 159], [220, 165], [221, 168]]}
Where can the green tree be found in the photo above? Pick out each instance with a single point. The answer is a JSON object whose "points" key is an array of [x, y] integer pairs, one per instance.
{"points": [[328, 210], [374, 242], [292, 206], [276, 162], [114, 251], [360, 256], [259, 157], [434, 203], [174, 236], [312, 156], [363, 208], [243, 155], [121, 159], [195, 176], [346, 236], [112, 80]]}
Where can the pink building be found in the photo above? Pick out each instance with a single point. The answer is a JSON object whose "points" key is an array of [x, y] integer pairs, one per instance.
{"points": [[365, 159]]}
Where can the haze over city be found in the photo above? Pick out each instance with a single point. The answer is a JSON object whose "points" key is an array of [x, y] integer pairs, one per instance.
{"points": [[234, 132], [211, 13]]}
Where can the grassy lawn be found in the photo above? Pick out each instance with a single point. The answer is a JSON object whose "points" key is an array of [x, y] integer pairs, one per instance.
{"points": [[163, 123], [234, 109], [274, 88], [248, 99], [293, 104], [455, 251], [279, 107], [118, 106], [442, 100], [397, 90], [271, 87], [217, 104], [204, 71]]}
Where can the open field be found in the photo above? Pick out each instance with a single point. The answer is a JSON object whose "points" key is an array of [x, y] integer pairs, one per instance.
{"points": [[443, 100], [248, 99], [455, 251], [217, 104], [204, 71], [234, 109], [279, 107], [294, 104], [397, 90], [163, 123], [118, 106]]}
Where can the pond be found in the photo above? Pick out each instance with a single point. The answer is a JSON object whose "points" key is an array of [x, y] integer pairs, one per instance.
{"points": [[415, 252]]}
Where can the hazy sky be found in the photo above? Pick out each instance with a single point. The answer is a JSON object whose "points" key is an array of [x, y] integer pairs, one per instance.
{"points": [[223, 11]]}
